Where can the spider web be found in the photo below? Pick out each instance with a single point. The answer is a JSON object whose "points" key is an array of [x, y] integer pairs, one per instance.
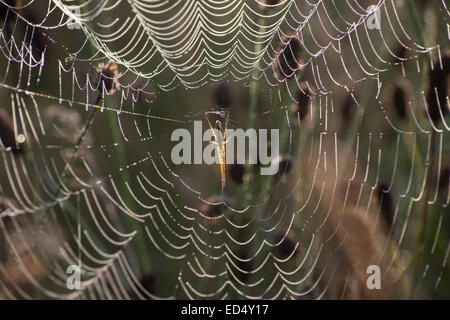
{"points": [[87, 178]]}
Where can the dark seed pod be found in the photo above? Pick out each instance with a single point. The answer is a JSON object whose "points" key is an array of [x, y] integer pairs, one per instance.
{"points": [[265, 3], [14, 4], [269, 2], [288, 245], [444, 179], [398, 96], [400, 101], [401, 54], [149, 282], [223, 96], [289, 58], [284, 165], [7, 134], [438, 89], [215, 206], [304, 100], [106, 77], [246, 266], [348, 107], [236, 172], [387, 204]]}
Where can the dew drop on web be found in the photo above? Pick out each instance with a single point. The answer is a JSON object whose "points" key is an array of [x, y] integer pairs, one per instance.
{"points": [[21, 138]]}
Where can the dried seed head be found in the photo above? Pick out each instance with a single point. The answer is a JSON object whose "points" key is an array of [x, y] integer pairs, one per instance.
{"points": [[106, 77], [304, 101], [7, 135], [438, 89], [356, 239], [289, 59], [222, 96], [287, 246], [236, 172], [387, 203]]}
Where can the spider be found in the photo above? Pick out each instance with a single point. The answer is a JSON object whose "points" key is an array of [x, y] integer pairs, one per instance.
{"points": [[220, 143]]}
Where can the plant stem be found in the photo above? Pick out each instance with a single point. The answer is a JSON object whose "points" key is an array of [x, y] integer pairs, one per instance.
{"points": [[80, 139], [425, 211], [119, 159]]}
